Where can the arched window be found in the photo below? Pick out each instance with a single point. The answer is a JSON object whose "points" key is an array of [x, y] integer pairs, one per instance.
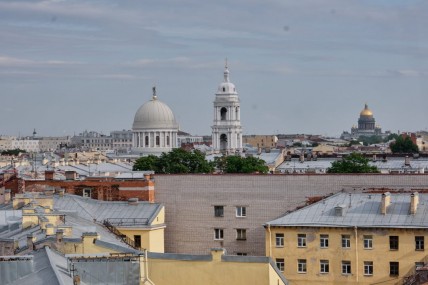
{"points": [[223, 113], [223, 142], [146, 141], [157, 140]]}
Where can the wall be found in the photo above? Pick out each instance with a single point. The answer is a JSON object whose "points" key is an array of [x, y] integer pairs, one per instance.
{"points": [[189, 204]]}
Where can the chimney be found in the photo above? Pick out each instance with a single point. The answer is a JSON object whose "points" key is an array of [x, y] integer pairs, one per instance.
{"points": [[414, 201], [386, 200], [59, 235], [374, 158], [76, 280], [302, 158], [61, 192], [30, 241], [407, 161], [147, 176]]}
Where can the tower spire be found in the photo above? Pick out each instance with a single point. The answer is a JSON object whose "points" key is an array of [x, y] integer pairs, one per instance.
{"points": [[154, 93], [226, 71]]}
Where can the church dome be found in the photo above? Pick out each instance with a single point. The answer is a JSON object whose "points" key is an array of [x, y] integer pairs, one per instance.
{"points": [[154, 114], [366, 112], [226, 87]]}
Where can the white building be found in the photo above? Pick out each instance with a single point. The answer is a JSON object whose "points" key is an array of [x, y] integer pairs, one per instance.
{"points": [[227, 130], [154, 129]]}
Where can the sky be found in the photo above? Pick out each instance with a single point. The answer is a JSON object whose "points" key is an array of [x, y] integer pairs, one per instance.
{"points": [[305, 66]]}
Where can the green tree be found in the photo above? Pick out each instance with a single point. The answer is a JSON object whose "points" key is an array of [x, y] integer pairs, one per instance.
{"points": [[391, 137], [238, 164], [369, 140], [404, 145], [353, 163], [176, 161], [14, 152]]}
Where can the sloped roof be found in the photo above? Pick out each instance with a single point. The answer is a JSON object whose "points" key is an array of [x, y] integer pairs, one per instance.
{"points": [[360, 210]]}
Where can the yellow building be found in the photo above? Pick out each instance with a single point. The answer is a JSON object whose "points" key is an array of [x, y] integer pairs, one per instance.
{"points": [[262, 141], [351, 239]]}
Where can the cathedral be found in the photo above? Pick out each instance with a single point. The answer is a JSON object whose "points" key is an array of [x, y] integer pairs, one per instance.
{"points": [[366, 126]]}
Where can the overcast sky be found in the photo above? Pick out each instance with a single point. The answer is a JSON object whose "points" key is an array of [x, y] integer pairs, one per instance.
{"points": [[305, 66]]}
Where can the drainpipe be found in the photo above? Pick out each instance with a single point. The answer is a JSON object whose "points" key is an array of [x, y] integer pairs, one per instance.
{"points": [[146, 279], [270, 241], [356, 250]]}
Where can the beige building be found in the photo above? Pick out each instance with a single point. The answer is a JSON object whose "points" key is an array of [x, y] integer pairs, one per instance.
{"points": [[351, 239], [262, 141]]}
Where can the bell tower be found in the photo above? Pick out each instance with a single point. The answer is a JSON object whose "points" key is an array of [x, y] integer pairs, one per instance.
{"points": [[226, 129]]}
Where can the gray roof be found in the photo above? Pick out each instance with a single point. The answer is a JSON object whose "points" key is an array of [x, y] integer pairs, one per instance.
{"points": [[360, 210], [91, 209]]}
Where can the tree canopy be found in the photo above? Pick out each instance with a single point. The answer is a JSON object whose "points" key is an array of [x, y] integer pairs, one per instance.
{"points": [[238, 164], [14, 152], [353, 163], [176, 161], [404, 145]]}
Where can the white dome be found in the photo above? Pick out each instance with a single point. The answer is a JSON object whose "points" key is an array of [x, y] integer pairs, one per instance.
{"points": [[154, 114], [226, 87]]}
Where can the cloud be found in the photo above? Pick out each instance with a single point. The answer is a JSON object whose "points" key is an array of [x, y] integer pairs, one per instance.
{"points": [[22, 62]]}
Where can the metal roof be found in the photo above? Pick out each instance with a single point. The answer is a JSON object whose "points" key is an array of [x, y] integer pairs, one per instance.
{"points": [[360, 210]]}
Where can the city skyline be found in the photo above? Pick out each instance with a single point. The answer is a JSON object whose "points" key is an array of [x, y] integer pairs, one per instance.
{"points": [[306, 67]]}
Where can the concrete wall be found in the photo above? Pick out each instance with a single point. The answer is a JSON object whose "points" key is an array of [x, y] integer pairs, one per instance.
{"points": [[190, 199]]}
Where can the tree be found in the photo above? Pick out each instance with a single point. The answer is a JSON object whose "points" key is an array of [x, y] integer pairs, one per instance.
{"points": [[176, 161], [353, 163], [369, 140], [14, 152], [238, 164], [404, 145]]}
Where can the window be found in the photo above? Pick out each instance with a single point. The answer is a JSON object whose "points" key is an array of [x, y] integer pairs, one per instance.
{"points": [[223, 113], [86, 192], [368, 242], [241, 254], [301, 265], [393, 242], [393, 268], [218, 234], [218, 211], [167, 140], [419, 264], [146, 143], [346, 267], [241, 211], [346, 241], [241, 234], [137, 241], [279, 240], [157, 140], [323, 241], [301, 240], [419, 243], [324, 266], [280, 264], [368, 267]]}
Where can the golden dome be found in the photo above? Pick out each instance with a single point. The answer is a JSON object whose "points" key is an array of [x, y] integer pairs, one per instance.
{"points": [[366, 111]]}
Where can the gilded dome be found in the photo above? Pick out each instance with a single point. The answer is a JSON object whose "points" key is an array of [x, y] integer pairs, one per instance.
{"points": [[366, 112], [154, 114]]}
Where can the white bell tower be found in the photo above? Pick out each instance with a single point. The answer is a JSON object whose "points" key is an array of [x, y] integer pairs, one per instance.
{"points": [[227, 130]]}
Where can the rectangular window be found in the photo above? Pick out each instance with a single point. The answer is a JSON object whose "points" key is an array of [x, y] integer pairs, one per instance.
{"points": [[241, 234], [346, 267], [419, 264], [301, 240], [280, 264], [394, 268], [218, 234], [368, 267], [368, 242], [324, 266], [301, 265], [279, 240], [346, 241], [241, 254], [324, 241], [241, 211], [419, 243], [218, 211], [393, 242]]}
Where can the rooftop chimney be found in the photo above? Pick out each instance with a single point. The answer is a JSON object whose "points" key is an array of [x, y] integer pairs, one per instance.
{"points": [[407, 161], [386, 200], [414, 201], [133, 201], [59, 235]]}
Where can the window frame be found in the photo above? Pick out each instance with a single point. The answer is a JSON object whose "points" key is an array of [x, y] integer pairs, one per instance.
{"points": [[324, 241], [217, 210], [280, 264], [302, 266], [346, 241], [324, 266], [241, 234], [394, 268], [394, 242], [369, 240], [279, 240], [241, 211], [420, 244], [301, 240], [346, 267], [368, 268], [218, 234]]}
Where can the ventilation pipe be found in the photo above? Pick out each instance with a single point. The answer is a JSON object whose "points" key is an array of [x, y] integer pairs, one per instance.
{"points": [[414, 201], [386, 200]]}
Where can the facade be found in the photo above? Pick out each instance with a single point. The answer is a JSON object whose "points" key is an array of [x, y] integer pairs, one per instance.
{"points": [[351, 239], [267, 141], [154, 129], [121, 141], [207, 211], [226, 129]]}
